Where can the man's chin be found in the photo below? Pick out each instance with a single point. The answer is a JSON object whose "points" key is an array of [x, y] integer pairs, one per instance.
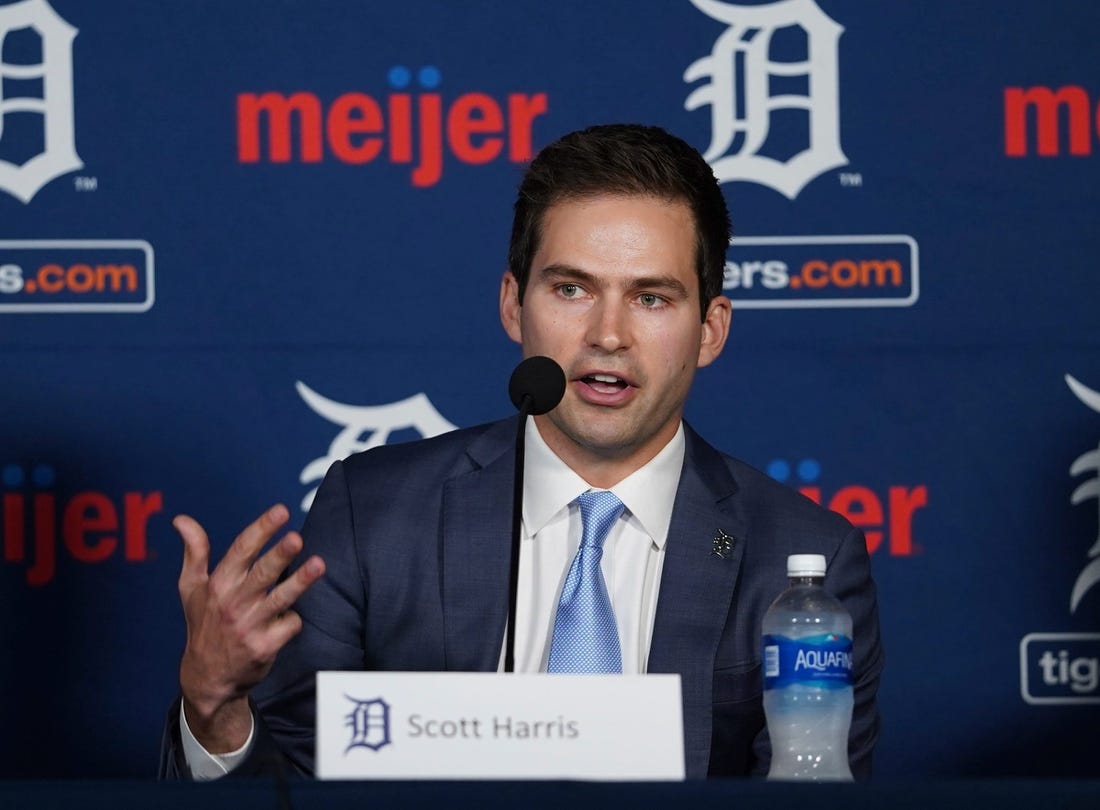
{"points": [[605, 441]]}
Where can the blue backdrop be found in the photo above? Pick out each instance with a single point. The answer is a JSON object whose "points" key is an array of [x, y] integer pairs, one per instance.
{"points": [[240, 239]]}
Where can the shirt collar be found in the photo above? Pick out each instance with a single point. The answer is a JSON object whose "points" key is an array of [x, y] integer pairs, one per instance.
{"points": [[648, 493]]}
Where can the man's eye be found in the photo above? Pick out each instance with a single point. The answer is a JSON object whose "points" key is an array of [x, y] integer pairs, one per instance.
{"points": [[569, 290], [649, 300]]}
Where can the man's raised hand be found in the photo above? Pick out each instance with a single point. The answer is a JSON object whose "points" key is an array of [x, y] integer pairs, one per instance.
{"points": [[237, 620]]}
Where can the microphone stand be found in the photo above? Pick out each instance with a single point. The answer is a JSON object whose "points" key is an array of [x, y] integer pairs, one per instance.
{"points": [[517, 518]]}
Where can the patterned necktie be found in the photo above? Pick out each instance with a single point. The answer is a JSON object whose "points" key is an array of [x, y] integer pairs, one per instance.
{"points": [[586, 638]]}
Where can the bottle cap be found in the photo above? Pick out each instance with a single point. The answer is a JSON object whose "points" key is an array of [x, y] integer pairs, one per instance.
{"points": [[806, 565]]}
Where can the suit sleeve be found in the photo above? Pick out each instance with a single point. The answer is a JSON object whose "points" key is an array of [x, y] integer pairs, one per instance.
{"points": [[848, 578]]}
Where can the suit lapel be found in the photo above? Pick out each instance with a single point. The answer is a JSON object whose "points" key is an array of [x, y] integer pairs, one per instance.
{"points": [[697, 584], [475, 548]]}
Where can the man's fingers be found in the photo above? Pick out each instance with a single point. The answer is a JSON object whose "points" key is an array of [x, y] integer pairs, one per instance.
{"points": [[285, 623], [249, 542], [266, 571], [196, 551], [283, 629], [284, 595]]}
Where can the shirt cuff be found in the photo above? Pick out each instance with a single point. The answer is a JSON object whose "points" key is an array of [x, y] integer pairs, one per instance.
{"points": [[203, 765]]}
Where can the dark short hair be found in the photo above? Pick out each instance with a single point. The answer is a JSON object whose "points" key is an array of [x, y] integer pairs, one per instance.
{"points": [[629, 160]]}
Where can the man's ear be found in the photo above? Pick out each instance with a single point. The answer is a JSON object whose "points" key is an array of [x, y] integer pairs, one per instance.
{"points": [[716, 328], [511, 313]]}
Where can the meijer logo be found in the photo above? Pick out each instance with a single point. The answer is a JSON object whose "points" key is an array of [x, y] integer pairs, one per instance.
{"points": [[47, 87], [40, 521], [364, 427], [743, 74], [885, 515], [1041, 110], [402, 128]]}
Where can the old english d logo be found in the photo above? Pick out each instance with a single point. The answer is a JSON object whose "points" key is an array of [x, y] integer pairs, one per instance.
{"points": [[369, 722], [54, 106], [741, 69], [1088, 462], [366, 426]]}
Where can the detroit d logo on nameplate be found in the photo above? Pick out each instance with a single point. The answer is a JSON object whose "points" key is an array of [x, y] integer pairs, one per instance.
{"points": [[369, 723], [364, 427], [1061, 668], [44, 89], [749, 87]]}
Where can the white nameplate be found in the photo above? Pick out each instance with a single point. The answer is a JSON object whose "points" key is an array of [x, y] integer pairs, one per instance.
{"points": [[438, 725]]}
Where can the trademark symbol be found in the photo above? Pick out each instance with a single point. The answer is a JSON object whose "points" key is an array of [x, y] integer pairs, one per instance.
{"points": [[86, 183], [851, 179]]}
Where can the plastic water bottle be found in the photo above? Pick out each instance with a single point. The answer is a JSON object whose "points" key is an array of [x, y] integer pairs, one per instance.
{"points": [[808, 677]]}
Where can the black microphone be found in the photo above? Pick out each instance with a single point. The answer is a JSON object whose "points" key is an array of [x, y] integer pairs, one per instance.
{"points": [[536, 387], [540, 380]]}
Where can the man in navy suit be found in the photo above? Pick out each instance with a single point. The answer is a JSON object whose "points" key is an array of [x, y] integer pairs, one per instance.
{"points": [[615, 271]]}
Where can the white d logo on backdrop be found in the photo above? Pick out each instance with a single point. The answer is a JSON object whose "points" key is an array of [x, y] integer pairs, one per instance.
{"points": [[1086, 462], [1064, 668], [740, 70], [364, 427], [54, 105]]}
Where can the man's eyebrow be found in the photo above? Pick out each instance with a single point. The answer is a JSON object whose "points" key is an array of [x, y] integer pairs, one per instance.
{"points": [[668, 284], [567, 272]]}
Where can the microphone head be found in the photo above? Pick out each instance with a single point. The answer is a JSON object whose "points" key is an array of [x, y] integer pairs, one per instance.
{"points": [[541, 380]]}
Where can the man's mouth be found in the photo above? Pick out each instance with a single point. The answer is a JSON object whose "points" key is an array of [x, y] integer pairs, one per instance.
{"points": [[605, 383]]}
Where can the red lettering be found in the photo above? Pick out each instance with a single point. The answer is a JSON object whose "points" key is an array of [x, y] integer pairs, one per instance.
{"points": [[90, 528], [903, 503], [85, 514], [45, 533], [356, 128], [354, 114], [1047, 103], [401, 150], [863, 509], [522, 111], [278, 109], [431, 141], [475, 114], [138, 510]]}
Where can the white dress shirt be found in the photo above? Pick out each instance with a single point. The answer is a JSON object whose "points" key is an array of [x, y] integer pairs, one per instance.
{"points": [[633, 554], [550, 535]]}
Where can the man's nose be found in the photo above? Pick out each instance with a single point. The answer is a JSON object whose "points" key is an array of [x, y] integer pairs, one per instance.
{"points": [[609, 326]]}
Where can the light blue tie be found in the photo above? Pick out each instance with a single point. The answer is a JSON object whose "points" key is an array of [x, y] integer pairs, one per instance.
{"points": [[586, 638]]}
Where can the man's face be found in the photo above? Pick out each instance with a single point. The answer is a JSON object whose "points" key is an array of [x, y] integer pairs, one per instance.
{"points": [[613, 297]]}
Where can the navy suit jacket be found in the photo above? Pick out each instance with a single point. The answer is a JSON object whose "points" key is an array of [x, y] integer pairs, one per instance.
{"points": [[416, 538]]}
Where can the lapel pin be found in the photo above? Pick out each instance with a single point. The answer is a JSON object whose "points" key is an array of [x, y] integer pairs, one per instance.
{"points": [[722, 544]]}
